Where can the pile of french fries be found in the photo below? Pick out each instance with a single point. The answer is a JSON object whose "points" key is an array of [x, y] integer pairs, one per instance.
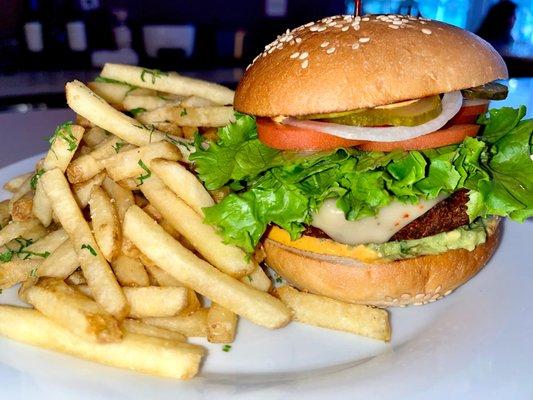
{"points": [[107, 241]]}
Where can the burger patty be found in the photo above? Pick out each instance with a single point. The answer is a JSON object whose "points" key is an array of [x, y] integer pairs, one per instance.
{"points": [[446, 216]]}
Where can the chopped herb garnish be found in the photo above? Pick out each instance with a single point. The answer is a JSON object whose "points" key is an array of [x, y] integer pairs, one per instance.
{"points": [[154, 72], [183, 112], [0, 291], [64, 131], [90, 248], [22, 251], [226, 348], [250, 278], [279, 279], [137, 111], [118, 146], [162, 97], [142, 177], [35, 178], [33, 273], [6, 256]]}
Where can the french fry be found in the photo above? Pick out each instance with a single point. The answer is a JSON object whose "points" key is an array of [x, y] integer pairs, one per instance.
{"points": [[129, 164], [168, 128], [105, 223], [200, 116], [41, 208], [97, 271], [150, 355], [168, 82], [192, 325], [24, 189], [122, 198], [64, 144], [183, 183], [334, 314], [47, 244], [16, 271], [258, 279], [82, 191], [22, 209], [129, 249], [94, 135], [197, 101], [115, 93], [84, 122], [155, 301], [91, 106], [5, 215], [141, 328], [76, 278], [14, 229], [221, 325], [15, 183], [145, 102], [73, 311], [197, 274], [130, 272], [87, 166], [61, 263], [129, 184], [203, 237]]}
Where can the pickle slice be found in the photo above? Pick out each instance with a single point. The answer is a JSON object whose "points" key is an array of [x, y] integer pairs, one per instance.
{"points": [[488, 91], [407, 113]]}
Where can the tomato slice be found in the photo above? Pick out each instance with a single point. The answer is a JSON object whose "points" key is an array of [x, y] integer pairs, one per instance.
{"points": [[468, 114], [443, 137], [286, 137]]}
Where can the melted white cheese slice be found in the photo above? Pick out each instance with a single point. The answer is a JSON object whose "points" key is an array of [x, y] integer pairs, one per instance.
{"points": [[376, 229]]}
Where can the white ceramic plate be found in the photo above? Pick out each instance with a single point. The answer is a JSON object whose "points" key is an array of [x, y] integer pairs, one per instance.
{"points": [[473, 344]]}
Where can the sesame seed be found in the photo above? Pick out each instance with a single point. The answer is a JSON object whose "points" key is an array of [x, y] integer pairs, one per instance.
{"points": [[309, 24], [447, 292], [295, 55], [271, 50], [393, 26], [303, 55], [313, 28], [330, 50], [324, 44], [321, 29], [356, 27], [364, 40], [426, 31], [292, 42], [344, 29], [247, 68], [405, 20], [365, 19], [298, 40], [279, 46], [355, 46], [332, 23], [287, 31], [397, 22], [305, 64]]}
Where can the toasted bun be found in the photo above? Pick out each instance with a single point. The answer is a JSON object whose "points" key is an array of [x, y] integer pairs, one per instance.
{"points": [[343, 63], [412, 281]]}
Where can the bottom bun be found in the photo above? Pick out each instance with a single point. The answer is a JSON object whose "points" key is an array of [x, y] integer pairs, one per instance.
{"points": [[415, 281]]}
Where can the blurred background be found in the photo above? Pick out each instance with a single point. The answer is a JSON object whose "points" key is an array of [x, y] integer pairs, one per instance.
{"points": [[45, 43]]}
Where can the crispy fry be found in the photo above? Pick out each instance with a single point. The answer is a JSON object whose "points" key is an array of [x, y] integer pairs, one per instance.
{"points": [[15, 229], [155, 301], [62, 262], [192, 325], [94, 135], [165, 358], [76, 278], [168, 82], [130, 272], [64, 144], [334, 314], [42, 209], [135, 163], [145, 102], [201, 116], [5, 216], [105, 223], [97, 271], [89, 105], [258, 279], [141, 328], [115, 93], [122, 198], [203, 237], [22, 209], [82, 191], [183, 183], [221, 325], [152, 240], [24, 189], [16, 271], [197, 101], [73, 311], [15, 183]]}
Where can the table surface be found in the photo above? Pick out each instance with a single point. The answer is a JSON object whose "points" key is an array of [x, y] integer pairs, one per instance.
{"points": [[25, 134]]}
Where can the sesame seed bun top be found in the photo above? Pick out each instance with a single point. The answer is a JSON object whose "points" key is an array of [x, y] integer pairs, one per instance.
{"points": [[343, 63]]}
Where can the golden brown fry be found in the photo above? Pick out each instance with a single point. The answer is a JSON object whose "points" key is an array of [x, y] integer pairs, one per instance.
{"points": [[105, 223], [130, 272], [155, 301], [150, 355], [16, 271], [152, 240], [76, 278], [204, 238], [168, 82], [73, 311], [190, 116], [168, 127], [146, 102], [14, 229], [221, 324], [82, 191], [334, 314], [129, 184], [42, 209], [5, 215], [97, 271], [122, 198], [135, 163], [94, 134], [192, 325], [15, 183], [141, 328], [24, 190], [258, 279], [62, 262], [22, 209], [91, 106], [115, 93], [64, 145]]}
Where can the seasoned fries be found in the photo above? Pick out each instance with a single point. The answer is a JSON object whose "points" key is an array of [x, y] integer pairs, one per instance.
{"points": [[141, 328], [97, 271], [155, 301], [334, 314], [106, 225], [15, 229], [199, 116], [221, 324], [191, 325], [73, 311], [150, 355], [152, 240], [168, 82], [130, 272]]}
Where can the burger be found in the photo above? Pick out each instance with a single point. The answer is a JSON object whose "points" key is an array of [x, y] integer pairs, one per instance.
{"points": [[364, 161]]}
